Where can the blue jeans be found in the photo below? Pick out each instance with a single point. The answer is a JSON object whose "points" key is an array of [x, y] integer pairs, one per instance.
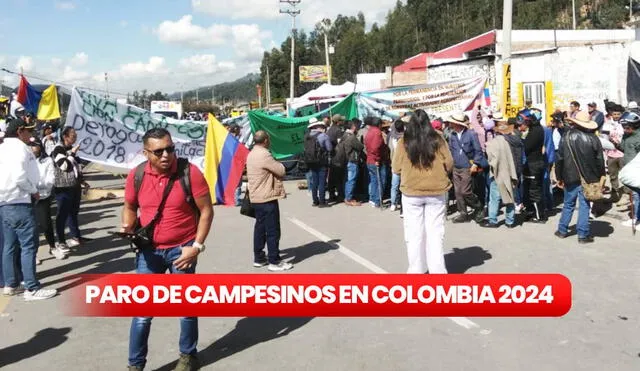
{"points": [[68, 207], [267, 231], [395, 189], [374, 194], [238, 194], [573, 193], [318, 185], [494, 205], [352, 178], [636, 204], [19, 226], [547, 191], [158, 262]]}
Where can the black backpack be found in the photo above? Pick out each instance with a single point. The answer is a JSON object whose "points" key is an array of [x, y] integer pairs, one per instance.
{"points": [[340, 158], [183, 175], [314, 153]]}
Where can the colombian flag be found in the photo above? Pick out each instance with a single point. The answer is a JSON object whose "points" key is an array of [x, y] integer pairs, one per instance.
{"points": [[224, 160], [44, 104]]}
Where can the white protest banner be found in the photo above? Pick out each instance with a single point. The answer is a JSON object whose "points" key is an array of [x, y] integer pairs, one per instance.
{"points": [[437, 99], [110, 133]]}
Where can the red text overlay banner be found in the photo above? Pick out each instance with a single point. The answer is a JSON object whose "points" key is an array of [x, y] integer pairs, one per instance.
{"points": [[321, 295]]}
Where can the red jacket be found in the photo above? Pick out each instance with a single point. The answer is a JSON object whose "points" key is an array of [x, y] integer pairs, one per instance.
{"points": [[375, 146]]}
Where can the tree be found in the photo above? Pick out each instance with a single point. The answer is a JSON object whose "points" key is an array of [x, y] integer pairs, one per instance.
{"points": [[422, 26]]}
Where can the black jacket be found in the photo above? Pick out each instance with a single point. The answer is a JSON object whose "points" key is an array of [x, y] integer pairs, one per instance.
{"points": [[533, 144], [587, 150], [353, 148]]}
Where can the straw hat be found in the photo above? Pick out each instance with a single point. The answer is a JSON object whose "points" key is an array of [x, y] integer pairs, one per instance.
{"points": [[504, 128], [459, 118], [498, 117], [583, 119], [313, 122]]}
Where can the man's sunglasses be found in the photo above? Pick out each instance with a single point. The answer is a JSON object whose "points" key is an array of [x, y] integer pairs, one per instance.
{"points": [[159, 152]]}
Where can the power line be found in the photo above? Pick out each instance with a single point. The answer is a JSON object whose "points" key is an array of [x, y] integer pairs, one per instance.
{"points": [[60, 83]]}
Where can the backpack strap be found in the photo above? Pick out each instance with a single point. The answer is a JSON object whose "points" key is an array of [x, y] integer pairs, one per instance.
{"points": [[138, 176], [184, 173]]}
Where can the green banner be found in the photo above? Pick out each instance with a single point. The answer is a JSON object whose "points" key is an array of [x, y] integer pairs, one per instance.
{"points": [[287, 134]]}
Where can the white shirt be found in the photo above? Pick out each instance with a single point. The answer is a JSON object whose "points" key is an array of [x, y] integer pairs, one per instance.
{"points": [[47, 176], [19, 172]]}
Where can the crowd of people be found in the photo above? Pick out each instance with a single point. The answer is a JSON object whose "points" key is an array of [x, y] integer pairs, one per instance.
{"points": [[40, 168], [483, 161]]}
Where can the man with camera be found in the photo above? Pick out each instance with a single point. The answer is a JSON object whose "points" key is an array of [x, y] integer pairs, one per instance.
{"points": [[175, 217]]}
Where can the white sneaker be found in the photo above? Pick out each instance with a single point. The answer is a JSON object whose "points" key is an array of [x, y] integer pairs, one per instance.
{"points": [[58, 253], [283, 266], [393, 208], [39, 294], [62, 247], [628, 223], [10, 291], [73, 243]]}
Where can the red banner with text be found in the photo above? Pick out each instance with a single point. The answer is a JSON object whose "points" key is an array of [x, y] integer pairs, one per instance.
{"points": [[321, 295]]}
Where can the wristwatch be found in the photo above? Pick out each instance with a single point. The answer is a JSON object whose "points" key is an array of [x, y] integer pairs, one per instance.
{"points": [[198, 246]]}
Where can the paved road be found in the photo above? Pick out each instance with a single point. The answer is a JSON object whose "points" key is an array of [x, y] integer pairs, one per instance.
{"points": [[599, 333]]}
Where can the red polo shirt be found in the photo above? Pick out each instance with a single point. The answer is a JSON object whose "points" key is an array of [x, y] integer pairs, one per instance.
{"points": [[178, 224]]}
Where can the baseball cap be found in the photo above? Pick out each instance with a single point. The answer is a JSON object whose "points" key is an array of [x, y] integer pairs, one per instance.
{"points": [[16, 124]]}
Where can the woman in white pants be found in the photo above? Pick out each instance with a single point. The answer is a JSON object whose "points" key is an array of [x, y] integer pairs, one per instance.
{"points": [[424, 161]]}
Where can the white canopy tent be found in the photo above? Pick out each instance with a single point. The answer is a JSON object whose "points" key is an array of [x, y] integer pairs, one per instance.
{"points": [[324, 94]]}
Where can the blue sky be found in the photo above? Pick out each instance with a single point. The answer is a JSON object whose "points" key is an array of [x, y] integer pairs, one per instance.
{"points": [[161, 44]]}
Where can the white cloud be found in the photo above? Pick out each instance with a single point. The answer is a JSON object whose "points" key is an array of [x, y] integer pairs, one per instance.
{"points": [[65, 5], [155, 66], [238, 9], [186, 33], [204, 64], [26, 63], [246, 39], [248, 42], [124, 23], [69, 75], [56, 62], [311, 11], [80, 59]]}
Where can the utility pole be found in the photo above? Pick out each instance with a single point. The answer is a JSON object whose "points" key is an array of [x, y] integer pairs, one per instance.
{"points": [[213, 99], [506, 56], [573, 8], [268, 88], [293, 13], [326, 24], [197, 99]]}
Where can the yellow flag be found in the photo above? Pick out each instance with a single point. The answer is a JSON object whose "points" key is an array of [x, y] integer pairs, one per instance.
{"points": [[49, 108]]}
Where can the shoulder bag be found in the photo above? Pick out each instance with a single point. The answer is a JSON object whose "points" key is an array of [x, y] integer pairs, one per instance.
{"points": [[142, 238], [592, 191]]}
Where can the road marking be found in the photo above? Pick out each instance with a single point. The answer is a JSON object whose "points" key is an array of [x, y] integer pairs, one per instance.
{"points": [[4, 301], [460, 321]]}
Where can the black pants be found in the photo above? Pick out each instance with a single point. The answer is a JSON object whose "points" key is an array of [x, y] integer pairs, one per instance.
{"points": [[68, 205], [336, 182], [533, 175], [267, 231], [44, 219]]}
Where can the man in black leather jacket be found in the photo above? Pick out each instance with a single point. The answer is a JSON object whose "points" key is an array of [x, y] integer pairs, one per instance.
{"points": [[533, 172], [580, 154]]}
